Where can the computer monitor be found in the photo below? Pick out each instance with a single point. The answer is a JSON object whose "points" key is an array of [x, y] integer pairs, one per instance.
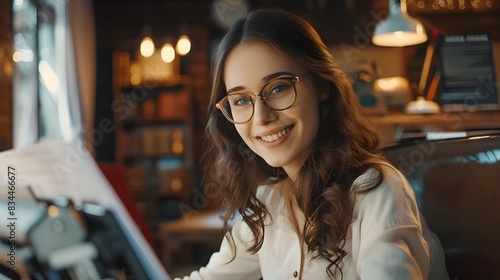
{"points": [[468, 74]]}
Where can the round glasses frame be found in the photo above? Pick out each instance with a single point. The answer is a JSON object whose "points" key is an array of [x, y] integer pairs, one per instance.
{"points": [[293, 80]]}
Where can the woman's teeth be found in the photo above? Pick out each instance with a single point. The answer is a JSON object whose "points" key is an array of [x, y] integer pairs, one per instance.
{"points": [[275, 136]]}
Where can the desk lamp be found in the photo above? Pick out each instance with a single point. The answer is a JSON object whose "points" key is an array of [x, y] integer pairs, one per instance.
{"points": [[400, 30], [421, 105]]}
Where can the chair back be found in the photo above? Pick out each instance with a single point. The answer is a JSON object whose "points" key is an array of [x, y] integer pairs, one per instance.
{"points": [[457, 187]]}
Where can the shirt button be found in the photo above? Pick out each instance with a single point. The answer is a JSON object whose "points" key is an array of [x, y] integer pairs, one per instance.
{"points": [[295, 274]]}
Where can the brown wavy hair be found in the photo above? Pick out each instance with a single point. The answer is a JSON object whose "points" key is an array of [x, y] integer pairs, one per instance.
{"points": [[345, 147]]}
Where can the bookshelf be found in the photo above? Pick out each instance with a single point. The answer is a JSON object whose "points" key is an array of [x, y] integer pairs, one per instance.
{"points": [[153, 140]]}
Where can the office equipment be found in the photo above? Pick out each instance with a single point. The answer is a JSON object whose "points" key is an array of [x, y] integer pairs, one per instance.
{"points": [[468, 79], [76, 211]]}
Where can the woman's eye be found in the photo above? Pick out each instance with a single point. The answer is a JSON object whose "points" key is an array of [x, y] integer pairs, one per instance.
{"points": [[242, 100], [279, 89]]}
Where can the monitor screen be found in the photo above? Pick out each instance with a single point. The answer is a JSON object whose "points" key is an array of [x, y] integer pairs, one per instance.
{"points": [[468, 73]]}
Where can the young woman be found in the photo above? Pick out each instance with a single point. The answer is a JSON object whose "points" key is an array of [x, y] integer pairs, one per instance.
{"points": [[290, 150]]}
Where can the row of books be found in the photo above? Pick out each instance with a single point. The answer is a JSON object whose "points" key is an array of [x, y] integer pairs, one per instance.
{"points": [[154, 141], [165, 106], [162, 177]]}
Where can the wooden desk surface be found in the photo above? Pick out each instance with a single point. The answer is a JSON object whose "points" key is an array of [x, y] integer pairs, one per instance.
{"points": [[203, 227], [203, 222], [393, 124], [446, 120]]}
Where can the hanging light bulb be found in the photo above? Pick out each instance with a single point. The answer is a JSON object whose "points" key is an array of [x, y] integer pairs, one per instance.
{"points": [[167, 53], [147, 47], [183, 45]]}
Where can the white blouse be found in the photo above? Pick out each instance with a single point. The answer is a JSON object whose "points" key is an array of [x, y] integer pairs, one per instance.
{"points": [[388, 239]]}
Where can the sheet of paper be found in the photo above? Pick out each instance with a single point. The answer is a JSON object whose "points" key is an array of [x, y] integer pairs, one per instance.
{"points": [[55, 168]]}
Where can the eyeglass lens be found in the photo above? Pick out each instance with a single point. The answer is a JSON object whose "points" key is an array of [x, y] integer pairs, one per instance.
{"points": [[278, 95]]}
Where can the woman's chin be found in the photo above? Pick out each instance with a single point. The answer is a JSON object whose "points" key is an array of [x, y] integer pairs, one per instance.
{"points": [[274, 163]]}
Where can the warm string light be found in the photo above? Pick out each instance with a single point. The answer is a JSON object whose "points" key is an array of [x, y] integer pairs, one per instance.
{"points": [[147, 47], [168, 51], [183, 45]]}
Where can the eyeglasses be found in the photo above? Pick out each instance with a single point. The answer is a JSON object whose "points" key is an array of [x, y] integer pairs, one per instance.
{"points": [[278, 95]]}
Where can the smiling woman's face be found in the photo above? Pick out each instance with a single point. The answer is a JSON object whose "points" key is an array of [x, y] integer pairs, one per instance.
{"points": [[281, 138]]}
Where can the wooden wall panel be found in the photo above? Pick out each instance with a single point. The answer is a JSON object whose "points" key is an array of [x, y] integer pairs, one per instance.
{"points": [[5, 75]]}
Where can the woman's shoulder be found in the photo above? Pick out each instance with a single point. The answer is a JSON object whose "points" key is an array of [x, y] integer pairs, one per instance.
{"points": [[394, 197], [372, 173], [392, 180]]}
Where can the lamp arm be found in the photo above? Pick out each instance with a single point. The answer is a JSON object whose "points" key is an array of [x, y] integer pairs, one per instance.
{"points": [[426, 68], [403, 6]]}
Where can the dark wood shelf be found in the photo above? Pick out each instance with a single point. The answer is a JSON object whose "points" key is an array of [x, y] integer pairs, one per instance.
{"points": [[156, 157], [148, 193], [143, 121], [153, 89]]}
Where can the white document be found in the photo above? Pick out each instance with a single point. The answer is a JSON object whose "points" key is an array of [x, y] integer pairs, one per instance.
{"points": [[55, 168]]}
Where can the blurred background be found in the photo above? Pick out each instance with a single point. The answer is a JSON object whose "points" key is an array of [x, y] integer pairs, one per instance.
{"points": [[132, 78]]}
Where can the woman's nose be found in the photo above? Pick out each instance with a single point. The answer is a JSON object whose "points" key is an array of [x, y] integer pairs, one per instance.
{"points": [[262, 114]]}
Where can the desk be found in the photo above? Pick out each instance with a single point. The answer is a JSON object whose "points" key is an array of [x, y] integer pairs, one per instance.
{"points": [[391, 124], [206, 228]]}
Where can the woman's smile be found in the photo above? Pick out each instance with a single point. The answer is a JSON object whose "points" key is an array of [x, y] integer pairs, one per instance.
{"points": [[274, 136]]}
